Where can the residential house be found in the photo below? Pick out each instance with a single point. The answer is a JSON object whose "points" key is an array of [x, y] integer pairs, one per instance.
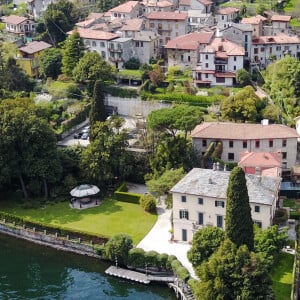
{"points": [[145, 46], [219, 62], [266, 49], [97, 40], [265, 163], [199, 200], [19, 25], [257, 23], [240, 137], [240, 34], [184, 5], [203, 5], [153, 5], [167, 24], [91, 20], [184, 50], [198, 20], [28, 57], [127, 10], [119, 51], [226, 14], [278, 24], [131, 27]]}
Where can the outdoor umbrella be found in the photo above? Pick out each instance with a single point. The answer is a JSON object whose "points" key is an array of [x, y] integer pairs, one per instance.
{"points": [[84, 190]]}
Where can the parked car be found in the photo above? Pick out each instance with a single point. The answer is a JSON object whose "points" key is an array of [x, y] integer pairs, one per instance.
{"points": [[85, 136], [78, 135]]}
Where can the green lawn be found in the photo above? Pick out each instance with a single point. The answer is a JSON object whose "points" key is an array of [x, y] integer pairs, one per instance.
{"points": [[282, 277], [108, 219]]}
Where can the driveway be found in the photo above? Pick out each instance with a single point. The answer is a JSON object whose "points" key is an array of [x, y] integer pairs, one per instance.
{"points": [[158, 239]]}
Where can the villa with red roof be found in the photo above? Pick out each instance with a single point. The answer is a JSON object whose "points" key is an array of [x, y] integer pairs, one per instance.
{"points": [[19, 25], [240, 137], [226, 14], [168, 25], [219, 62], [257, 23], [184, 50], [127, 10]]}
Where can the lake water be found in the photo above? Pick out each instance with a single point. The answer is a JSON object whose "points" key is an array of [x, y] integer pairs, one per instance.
{"points": [[29, 271]]}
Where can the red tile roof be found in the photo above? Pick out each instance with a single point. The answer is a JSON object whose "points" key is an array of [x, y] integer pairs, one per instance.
{"points": [[205, 2], [161, 15], [13, 19], [95, 34], [227, 10], [280, 18], [126, 7], [253, 20], [226, 47], [162, 3], [260, 159], [190, 41], [133, 25], [281, 38], [34, 47], [242, 131]]}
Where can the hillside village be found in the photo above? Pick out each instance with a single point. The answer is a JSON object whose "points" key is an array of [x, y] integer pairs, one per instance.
{"points": [[184, 147]]}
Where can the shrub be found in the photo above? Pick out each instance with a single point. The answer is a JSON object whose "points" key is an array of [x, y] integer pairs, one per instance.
{"points": [[120, 92], [132, 64], [171, 258], [162, 260], [180, 271], [281, 216], [136, 257], [151, 258], [127, 197], [148, 202], [99, 249]]}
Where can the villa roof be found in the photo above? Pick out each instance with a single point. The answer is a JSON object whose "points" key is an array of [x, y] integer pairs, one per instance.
{"points": [[126, 7], [205, 2], [214, 183], [135, 24], [242, 131], [253, 20], [163, 15], [190, 41], [162, 3], [13, 19], [34, 47], [224, 46], [260, 159], [95, 34], [185, 2], [280, 38], [227, 10], [280, 18]]}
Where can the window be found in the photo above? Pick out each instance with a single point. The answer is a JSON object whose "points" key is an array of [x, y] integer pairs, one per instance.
{"points": [[181, 57], [206, 65], [230, 156], [246, 38], [103, 54], [262, 49], [278, 48], [137, 44], [255, 50], [283, 143], [219, 203], [220, 79], [184, 235], [200, 218], [183, 198], [230, 144], [94, 44], [206, 56], [200, 201], [234, 58], [270, 49], [206, 75], [257, 208], [102, 44], [234, 68], [244, 144], [271, 143], [189, 58], [204, 143], [152, 25], [284, 155], [220, 221], [257, 144], [258, 223], [222, 17], [184, 214]]}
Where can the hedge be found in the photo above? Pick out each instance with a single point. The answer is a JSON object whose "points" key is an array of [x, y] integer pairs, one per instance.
{"points": [[52, 229], [121, 92], [121, 195], [203, 101]]}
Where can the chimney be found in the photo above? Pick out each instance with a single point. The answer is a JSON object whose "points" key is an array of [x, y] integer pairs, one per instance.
{"points": [[265, 122], [258, 173]]}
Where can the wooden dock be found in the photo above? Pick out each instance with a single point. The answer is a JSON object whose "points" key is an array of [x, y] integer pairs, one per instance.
{"points": [[137, 276]]}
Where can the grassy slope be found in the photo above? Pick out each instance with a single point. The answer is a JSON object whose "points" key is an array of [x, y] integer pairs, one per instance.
{"points": [[282, 276], [108, 219]]}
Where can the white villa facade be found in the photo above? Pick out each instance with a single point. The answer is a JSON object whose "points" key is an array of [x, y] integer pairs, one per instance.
{"points": [[199, 200]]}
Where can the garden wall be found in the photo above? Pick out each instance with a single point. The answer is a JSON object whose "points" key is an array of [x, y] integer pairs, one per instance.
{"points": [[134, 106], [48, 240]]}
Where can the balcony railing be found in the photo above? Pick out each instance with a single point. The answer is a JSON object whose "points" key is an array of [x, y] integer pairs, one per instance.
{"points": [[119, 50]]}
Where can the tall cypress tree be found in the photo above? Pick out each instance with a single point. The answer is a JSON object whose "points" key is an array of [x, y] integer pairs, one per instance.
{"points": [[72, 52], [239, 224], [97, 112]]}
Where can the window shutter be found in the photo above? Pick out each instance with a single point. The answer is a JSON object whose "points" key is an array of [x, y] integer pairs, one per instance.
{"points": [[216, 203], [223, 203]]}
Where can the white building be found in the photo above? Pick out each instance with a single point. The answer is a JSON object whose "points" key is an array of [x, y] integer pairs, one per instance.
{"points": [[198, 20], [219, 62], [127, 10], [240, 137], [19, 25], [226, 14], [199, 200]]}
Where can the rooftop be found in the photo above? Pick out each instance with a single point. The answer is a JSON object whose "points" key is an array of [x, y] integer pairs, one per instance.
{"points": [[126, 7], [135, 24], [227, 10], [190, 41], [261, 159], [95, 34], [242, 131], [214, 183], [13, 19], [280, 38], [280, 18], [253, 20], [162, 3], [34, 47], [223, 45], [161, 15]]}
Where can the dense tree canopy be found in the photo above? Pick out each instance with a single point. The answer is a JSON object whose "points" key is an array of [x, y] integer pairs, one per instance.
{"points": [[234, 273], [50, 63], [238, 221], [243, 77], [244, 106]]}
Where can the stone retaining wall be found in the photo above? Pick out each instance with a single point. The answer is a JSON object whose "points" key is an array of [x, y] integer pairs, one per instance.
{"points": [[48, 240]]}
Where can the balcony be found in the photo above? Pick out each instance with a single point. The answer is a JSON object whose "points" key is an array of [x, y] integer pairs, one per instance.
{"points": [[113, 50], [197, 226], [221, 62]]}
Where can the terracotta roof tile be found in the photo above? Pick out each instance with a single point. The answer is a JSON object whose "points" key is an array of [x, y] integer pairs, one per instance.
{"points": [[241, 131], [133, 25], [95, 16], [205, 2], [227, 10], [227, 47], [163, 3], [260, 159], [281, 18], [34, 47], [95, 34], [126, 7], [13, 19], [253, 20], [281, 38], [190, 41], [161, 15], [185, 2]]}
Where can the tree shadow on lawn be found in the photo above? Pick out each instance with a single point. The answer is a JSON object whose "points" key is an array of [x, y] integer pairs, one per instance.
{"points": [[282, 290]]}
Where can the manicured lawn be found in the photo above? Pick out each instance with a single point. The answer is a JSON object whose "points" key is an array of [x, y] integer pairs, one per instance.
{"points": [[108, 219], [282, 277]]}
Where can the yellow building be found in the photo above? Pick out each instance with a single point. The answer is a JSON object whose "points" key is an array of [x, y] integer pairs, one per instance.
{"points": [[28, 58]]}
